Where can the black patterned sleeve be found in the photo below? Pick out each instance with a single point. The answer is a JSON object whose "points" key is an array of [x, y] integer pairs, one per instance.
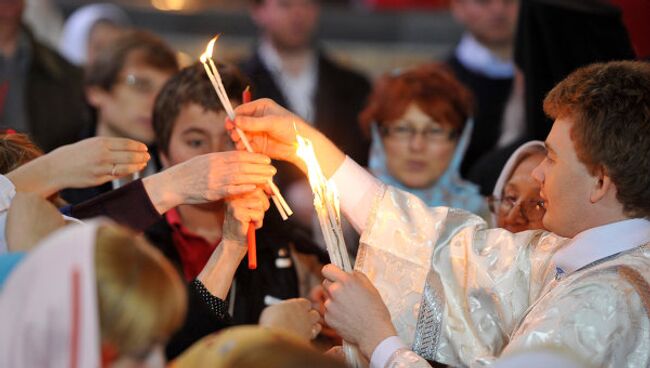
{"points": [[218, 306]]}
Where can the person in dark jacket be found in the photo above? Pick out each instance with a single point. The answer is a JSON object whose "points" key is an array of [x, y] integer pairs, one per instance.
{"points": [[288, 67], [189, 121], [483, 62], [41, 94]]}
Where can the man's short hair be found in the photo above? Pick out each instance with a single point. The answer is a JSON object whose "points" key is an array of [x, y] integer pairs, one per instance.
{"points": [[192, 86], [609, 105], [153, 52]]}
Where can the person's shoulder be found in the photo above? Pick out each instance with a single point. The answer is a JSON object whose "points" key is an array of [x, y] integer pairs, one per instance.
{"points": [[330, 67], [50, 62]]}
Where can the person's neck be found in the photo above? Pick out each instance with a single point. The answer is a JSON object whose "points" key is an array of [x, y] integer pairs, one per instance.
{"points": [[294, 60], [503, 52], [205, 221], [600, 218], [104, 130], [9, 39]]}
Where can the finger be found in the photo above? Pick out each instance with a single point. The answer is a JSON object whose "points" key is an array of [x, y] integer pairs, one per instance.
{"points": [[119, 170], [128, 157], [333, 273], [271, 125], [258, 107], [125, 144], [315, 330], [302, 303], [326, 287], [241, 178], [237, 190], [244, 156], [250, 168], [314, 316]]}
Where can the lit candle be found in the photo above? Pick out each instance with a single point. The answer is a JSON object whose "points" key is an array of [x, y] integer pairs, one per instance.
{"points": [[215, 78], [326, 204]]}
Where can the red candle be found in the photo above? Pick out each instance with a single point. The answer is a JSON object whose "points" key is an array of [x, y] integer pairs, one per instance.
{"points": [[252, 246]]}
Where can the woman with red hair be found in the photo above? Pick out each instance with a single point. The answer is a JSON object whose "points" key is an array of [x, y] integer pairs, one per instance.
{"points": [[420, 124]]}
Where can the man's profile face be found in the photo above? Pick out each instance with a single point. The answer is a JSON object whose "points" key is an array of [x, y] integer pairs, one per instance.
{"points": [[127, 107], [566, 183], [492, 22], [290, 24]]}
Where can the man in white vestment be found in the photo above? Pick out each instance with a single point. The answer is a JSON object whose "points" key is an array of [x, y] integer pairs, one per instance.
{"points": [[434, 284]]}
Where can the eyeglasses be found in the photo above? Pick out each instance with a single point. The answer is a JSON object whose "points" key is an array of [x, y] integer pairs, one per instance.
{"points": [[141, 85], [405, 133], [531, 210]]}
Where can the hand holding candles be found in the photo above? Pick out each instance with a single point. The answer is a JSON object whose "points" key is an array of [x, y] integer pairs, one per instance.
{"points": [[215, 79]]}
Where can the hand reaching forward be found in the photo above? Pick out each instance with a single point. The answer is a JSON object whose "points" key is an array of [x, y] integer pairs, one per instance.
{"points": [[87, 163], [207, 178], [355, 309], [97, 160]]}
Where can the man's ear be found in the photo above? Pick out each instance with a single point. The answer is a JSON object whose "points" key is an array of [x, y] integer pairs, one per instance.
{"points": [[96, 96], [602, 185]]}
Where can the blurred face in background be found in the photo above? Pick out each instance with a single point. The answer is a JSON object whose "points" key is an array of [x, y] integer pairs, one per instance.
{"points": [[492, 22], [11, 12], [288, 24], [126, 108], [418, 148]]}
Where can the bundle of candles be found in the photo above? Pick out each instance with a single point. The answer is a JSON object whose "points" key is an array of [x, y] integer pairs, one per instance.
{"points": [[278, 200], [326, 204]]}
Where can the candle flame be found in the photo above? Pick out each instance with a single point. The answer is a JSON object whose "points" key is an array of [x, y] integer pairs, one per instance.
{"points": [[209, 50], [324, 191]]}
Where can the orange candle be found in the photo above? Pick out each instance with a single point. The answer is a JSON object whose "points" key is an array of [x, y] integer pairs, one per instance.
{"points": [[252, 246]]}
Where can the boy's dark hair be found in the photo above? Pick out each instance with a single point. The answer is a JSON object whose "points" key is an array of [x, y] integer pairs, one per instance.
{"points": [[152, 51], [609, 106], [192, 86]]}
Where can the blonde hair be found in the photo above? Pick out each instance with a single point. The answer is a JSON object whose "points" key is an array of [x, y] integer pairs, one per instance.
{"points": [[141, 298]]}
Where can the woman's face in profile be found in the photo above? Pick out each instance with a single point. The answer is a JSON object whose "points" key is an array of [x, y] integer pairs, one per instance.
{"points": [[519, 208], [418, 148]]}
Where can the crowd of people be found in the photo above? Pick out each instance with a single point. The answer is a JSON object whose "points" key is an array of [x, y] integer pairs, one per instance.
{"points": [[496, 204]]}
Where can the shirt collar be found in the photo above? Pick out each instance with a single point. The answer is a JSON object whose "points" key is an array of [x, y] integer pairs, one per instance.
{"points": [[600, 242], [478, 58], [273, 62]]}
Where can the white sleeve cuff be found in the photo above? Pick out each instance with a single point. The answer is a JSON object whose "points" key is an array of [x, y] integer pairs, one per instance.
{"points": [[7, 192], [384, 351], [357, 190]]}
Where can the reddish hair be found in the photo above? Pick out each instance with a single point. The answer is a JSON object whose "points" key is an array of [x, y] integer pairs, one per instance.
{"points": [[609, 105], [431, 86]]}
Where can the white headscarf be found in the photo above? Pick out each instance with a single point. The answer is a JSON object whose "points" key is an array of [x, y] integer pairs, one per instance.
{"points": [[512, 163], [48, 307], [76, 31]]}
